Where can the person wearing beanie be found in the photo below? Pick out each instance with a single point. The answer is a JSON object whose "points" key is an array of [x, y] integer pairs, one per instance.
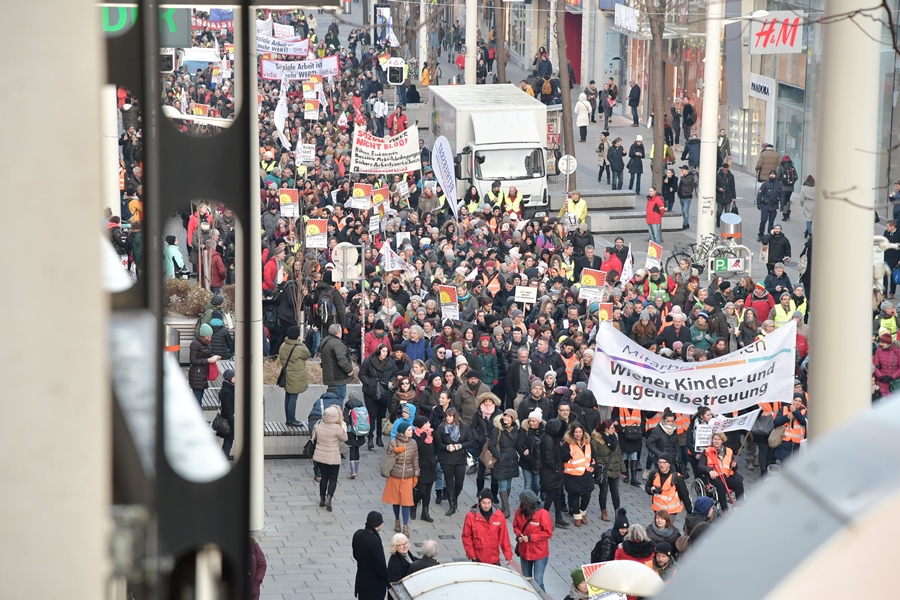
{"points": [[357, 419], [702, 335], [794, 417], [605, 549], [374, 338], [371, 567], [327, 303], [398, 489], [222, 342], [536, 399], [174, 260], [201, 359], [532, 529], [485, 534], [487, 360], [664, 561], [502, 442], [226, 409], [425, 443], [292, 356], [579, 589], [667, 488]]}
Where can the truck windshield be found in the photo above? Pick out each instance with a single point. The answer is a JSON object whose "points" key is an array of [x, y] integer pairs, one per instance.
{"points": [[511, 163]]}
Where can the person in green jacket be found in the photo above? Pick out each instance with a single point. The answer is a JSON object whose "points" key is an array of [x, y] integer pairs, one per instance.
{"points": [[488, 362], [293, 356], [173, 258], [701, 334], [607, 452]]}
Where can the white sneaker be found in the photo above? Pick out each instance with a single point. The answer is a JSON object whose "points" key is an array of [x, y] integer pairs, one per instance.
{"points": [[646, 474]]}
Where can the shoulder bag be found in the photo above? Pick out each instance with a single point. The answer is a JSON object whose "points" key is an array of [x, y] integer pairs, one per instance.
{"points": [[387, 463], [213, 372], [282, 376], [517, 551], [221, 425], [777, 436], [763, 426], [486, 458]]}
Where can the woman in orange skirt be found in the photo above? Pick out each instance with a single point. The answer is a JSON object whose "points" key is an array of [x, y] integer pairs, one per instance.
{"points": [[398, 491]]}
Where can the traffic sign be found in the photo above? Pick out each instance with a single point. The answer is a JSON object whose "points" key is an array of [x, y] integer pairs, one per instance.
{"points": [[728, 264], [567, 164]]}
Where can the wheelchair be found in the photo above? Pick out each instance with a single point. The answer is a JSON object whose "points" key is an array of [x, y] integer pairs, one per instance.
{"points": [[701, 486]]}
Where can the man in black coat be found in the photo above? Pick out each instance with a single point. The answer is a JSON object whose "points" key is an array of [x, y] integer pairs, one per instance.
{"points": [[337, 368], [327, 303], [634, 100], [545, 359], [779, 247], [371, 568], [518, 376], [726, 193], [551, 468], [677, 332], [429, 557], [588, 261], [768, 199]]}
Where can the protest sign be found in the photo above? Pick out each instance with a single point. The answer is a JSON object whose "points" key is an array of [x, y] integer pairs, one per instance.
{"points": [[449, 302], [744, 422], [597, 593], [591, 294], [381, 194], [401, 237], [392, 260], [362, 189], [593, 278], [526, 294], [200, 110], [300, 69], [628, 267], [403, 188], [654, 256], [627, 375], [282, 31], [289, 199], [360, 202], [702, 436], [395, 154], [198, 23], [308, 153], [604, 312], [317, 233], [311, 110], [444, 170]]}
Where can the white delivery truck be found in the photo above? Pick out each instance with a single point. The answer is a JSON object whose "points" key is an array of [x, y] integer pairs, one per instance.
{"points": [[496, 132]]}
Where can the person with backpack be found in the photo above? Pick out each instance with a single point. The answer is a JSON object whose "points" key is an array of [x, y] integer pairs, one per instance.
{"points": [[356, 417], [787, 175], [327, 303], [546, 89]]}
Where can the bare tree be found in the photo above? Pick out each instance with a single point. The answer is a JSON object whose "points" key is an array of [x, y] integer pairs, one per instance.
{"points": [[567, 126], [656, 16]]}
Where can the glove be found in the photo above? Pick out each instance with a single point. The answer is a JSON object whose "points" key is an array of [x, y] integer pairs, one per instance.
{"points": [[885, 379]]}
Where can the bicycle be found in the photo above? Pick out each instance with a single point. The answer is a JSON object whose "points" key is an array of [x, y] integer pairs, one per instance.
{"points": [[711, 246]]}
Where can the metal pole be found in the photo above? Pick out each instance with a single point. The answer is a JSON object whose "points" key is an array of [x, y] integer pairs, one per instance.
{"points": [[845, 201], [706, 207], [471, 28], [254, 328], [423, 34]]}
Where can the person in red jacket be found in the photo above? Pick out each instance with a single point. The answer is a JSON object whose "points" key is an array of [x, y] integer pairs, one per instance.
{"points": [[887, 363], [760, 300], [217, 271], [533, 529], [273, 271], [611, 261], [656, 208], [377, 337], [397, 122], [485, 533]]}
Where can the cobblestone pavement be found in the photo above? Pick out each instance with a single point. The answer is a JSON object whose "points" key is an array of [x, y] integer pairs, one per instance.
{"points": [[308, 549]]}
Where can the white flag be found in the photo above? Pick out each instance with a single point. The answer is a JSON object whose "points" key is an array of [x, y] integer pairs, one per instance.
{"points": [[745, 422], [627, 268], [391, 260], [471, 275]]}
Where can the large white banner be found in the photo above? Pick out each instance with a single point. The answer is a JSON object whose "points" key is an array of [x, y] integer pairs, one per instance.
{"points": [[397, 154], [627, 375], [442, 163], [266, 44], [301, 69], [264, 27]]}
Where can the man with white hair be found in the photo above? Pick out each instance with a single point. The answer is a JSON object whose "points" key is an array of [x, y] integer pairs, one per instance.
{"points": [[429, 557], [677, 332], [337, 368]]}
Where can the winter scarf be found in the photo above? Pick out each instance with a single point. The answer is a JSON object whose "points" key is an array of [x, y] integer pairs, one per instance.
{"points": [[669, 429], [452, 431]]}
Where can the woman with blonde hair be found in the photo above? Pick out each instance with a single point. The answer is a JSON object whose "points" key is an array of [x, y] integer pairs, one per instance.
{"points": [[328, 434], [401, 558]]}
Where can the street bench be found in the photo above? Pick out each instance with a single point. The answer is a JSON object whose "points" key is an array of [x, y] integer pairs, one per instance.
{"points": [[281, 440], [629, 221]]}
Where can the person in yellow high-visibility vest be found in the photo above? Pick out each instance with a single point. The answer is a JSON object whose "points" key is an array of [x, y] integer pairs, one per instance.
{"points": [[495, 197], [574, 210]]}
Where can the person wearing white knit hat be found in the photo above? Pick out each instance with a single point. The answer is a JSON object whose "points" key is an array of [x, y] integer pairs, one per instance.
{"points": [[528, 446]]}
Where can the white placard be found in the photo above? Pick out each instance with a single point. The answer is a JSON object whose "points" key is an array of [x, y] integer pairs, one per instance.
{"points": [[300, 69], [395, 154], [526, 294]]}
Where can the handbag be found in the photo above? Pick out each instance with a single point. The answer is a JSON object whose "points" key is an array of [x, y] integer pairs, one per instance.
{"points": [[309, 448], [895, 275], [777, 436], [213, 372], [763, 426], [600, 471], [387, 427], [486, 458], [221, 425], [282, 376], [734, 209], [387, 464], [516, 550], [895, 385], [633, 433]]}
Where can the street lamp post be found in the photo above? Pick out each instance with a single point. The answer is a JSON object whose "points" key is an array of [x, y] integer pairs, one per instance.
{"points": [[706, 209]]}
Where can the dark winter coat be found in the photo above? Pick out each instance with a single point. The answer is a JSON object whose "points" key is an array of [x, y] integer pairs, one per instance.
{"points": [[725, 190], [660, 443], [770, 194], [221, 343], [530, 440], [691, 152], [616, 158], [198, 372], [336, 363], [374, 371], [502, 445], [258, 567], [611, 459], [779, 249], [609, 543], [226, 403], [551, 456], [321, 318], [427, 458], [636, 158], [398, 567], [456, 457], [371, 569]]}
